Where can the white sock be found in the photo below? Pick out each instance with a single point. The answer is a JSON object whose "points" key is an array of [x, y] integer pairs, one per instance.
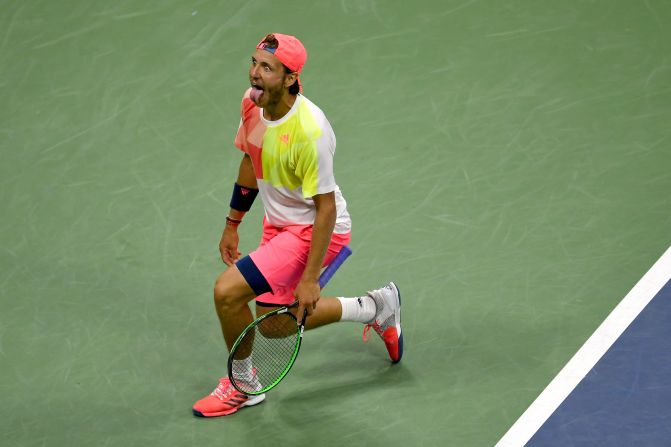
{"points": [[244, 370], [361, 309]]}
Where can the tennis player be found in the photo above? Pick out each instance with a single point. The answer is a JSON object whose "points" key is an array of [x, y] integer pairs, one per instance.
{"points": [[288, 147]]}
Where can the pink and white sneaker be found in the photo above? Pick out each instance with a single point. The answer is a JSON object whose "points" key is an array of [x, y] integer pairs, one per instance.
{"points": [[387, 321], [224, 400]]}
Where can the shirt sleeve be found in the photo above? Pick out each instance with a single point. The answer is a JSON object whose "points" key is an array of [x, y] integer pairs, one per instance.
{"points": [[240, 137], [247, 122]]}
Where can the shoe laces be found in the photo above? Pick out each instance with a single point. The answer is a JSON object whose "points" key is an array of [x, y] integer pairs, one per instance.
{"points": [[366, 329], [224, 390]]}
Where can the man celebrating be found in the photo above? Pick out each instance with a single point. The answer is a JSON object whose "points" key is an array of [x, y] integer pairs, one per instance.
{"points": [[288, 147]]}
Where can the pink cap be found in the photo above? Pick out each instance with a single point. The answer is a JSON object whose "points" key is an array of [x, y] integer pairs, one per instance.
{"points": [[290, 51]]}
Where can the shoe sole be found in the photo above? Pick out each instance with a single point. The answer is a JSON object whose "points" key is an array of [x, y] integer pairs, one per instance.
{"points": [[249, 403], [398, 315]]}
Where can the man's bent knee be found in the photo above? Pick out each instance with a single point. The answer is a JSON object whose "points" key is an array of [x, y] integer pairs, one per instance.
{"points": [[231, 289]]}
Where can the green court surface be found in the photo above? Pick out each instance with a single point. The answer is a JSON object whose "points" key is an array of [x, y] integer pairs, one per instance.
{"points": [[508, 164]]}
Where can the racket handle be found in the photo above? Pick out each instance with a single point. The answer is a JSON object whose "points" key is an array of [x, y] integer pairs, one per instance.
{"points": [[330, 270]]}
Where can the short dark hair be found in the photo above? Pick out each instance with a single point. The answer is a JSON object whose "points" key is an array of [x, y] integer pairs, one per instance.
{"points": [[271, 42]]}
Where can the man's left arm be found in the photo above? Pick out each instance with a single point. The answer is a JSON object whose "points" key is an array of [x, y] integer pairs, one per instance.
{"points": [[308, 291]]}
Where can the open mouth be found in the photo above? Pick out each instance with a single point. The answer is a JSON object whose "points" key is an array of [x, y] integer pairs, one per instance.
{"points": [[256, 93]]}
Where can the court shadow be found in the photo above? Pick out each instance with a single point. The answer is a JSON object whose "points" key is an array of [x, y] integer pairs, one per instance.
{"points": [[327, 412], [392, 376]]}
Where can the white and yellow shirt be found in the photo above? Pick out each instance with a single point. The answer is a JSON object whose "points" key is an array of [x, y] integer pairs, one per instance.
{"points": [[293, 161]]}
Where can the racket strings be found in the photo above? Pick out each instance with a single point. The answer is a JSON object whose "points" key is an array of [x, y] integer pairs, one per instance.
{"points": [[272, 344]]}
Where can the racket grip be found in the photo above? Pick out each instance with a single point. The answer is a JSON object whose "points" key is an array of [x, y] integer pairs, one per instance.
{"points": [[330, 270]]}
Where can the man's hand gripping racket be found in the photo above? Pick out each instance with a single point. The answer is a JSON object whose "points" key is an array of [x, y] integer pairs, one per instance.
{"points": [[270, 344]]}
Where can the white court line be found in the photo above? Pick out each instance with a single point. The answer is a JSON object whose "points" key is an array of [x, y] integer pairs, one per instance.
{"points": [[590, 353]]}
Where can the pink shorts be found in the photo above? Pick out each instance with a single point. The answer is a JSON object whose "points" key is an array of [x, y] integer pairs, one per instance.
{"points": [[274, 269]]}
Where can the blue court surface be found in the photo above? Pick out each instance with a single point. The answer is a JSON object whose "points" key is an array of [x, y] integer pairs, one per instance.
{"points": [[624, 399]]}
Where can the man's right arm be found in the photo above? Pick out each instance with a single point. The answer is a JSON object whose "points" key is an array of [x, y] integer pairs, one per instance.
{"points": [[228, 246], [246, 179]]}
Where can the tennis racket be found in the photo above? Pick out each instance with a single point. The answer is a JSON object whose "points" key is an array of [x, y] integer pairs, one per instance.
{"points": [[272, 342]]}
